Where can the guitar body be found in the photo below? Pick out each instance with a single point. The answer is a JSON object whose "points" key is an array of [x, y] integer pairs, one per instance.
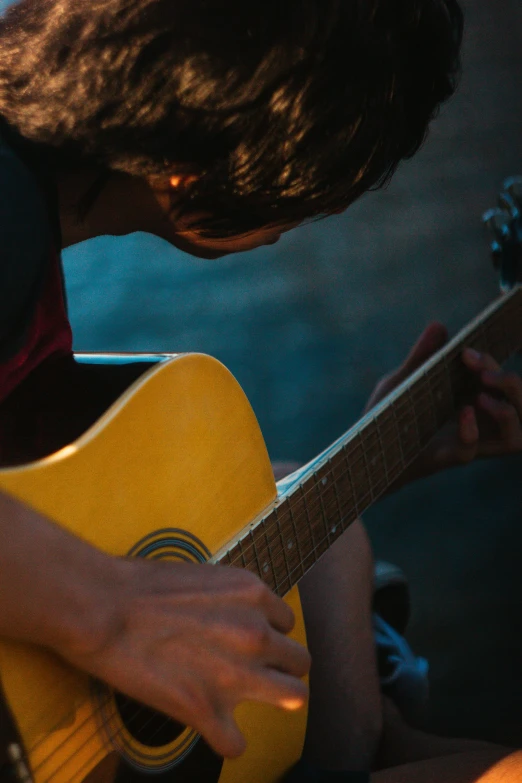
{"points": [[175, 469]]}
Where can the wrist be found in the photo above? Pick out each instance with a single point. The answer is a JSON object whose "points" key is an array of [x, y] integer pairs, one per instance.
{"points": [[90, 616], [56, 590]]}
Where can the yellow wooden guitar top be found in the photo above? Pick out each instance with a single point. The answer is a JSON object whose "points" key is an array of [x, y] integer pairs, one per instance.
{"points": [[176, 467]]}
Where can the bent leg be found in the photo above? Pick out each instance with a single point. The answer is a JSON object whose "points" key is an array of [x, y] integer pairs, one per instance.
{"points": [[402, 744], [345, 711], [501, 765]]}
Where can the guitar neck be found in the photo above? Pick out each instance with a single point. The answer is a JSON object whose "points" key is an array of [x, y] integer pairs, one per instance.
{"points": [[319, 503]]}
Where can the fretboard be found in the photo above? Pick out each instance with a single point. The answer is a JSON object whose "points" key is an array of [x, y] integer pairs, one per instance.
{"points": [[320, 501]]}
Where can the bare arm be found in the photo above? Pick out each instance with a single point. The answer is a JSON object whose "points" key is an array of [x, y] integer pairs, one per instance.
{"points": [[190, 640]]}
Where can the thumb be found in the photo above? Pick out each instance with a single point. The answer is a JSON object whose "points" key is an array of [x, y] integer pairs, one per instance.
{"points": [[431, 340]]}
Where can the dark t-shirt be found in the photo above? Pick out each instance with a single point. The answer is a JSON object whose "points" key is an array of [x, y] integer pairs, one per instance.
{"points": [[33, 322]]}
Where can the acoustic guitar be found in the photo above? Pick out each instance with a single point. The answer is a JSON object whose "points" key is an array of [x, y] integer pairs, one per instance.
{"points": [[177, 469]]}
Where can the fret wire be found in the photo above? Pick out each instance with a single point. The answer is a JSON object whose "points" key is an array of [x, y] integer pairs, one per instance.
{"points": [[366, 470], [352, 509], [269, 565], [298, 545], [337, 499], [396, 423], [319, 490], [308, 520], [283, 547], [329, 494], [450, 384], [349, 473], [321, 503], [415, 422], [256, 553], [431, 377], [433, 406], [321, 542], [379, 437], [240, 542]]}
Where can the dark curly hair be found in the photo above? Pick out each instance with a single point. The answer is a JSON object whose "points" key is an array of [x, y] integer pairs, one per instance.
{"points": [[284, 109]]}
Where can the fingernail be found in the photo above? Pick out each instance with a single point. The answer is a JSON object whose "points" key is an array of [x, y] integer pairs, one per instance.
{"points": [[473, 354]]}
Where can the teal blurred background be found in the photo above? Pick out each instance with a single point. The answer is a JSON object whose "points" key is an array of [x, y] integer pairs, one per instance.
{"points": [[309, 325]]}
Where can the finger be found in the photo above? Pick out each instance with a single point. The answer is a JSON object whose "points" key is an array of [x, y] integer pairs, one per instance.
{"points": [[508, 383], [468, 429], [430, 341], [288, 656], [277, 688], [460, 442], [506, 418], [221, 732], [278, 614], [479, 361]]}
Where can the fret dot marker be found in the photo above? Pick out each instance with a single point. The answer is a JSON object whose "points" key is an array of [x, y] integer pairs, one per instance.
{"points": [[265, 568], [324, 481], [334, 529], [290, 544]]}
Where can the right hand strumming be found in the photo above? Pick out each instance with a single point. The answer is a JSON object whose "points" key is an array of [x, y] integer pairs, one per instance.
{"points": [[193, 641]]}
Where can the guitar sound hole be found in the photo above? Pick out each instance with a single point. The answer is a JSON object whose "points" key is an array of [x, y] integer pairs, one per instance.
{"points": [[149, 727]]}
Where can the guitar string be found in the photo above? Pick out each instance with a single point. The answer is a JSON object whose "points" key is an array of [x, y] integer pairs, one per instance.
{"points": [[327, 537], [315, 547], [424, 378], [115, 712], [370, 475], [344, 505], [110, 716], [347, 455], [247, 550], [101, 707]]}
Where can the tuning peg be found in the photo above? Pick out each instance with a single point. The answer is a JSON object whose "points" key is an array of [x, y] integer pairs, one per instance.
{"points": [[510, 199], [497, 223], [513, 186], [505, 229]]}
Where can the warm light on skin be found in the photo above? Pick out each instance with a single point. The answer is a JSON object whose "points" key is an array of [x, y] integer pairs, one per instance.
{"points": [[128, 204], [190, 239], [507, 770], [192, 242]]}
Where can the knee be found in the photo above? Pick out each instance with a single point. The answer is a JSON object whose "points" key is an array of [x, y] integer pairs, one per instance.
{"points": [[358, 545]]}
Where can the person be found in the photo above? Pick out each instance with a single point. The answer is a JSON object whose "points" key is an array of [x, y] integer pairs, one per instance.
{"points": [[216, 125]]}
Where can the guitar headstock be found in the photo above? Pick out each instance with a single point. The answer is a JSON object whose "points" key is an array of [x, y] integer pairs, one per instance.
{"points": [[504, 225]]}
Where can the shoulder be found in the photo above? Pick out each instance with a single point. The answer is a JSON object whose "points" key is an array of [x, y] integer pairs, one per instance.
{"points": [[25, 236], [24, 224]]}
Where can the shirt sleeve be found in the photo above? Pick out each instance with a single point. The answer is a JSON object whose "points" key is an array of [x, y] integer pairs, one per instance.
{"points": [[25, 236]]}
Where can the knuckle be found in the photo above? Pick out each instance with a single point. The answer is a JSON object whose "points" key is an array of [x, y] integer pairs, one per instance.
{"points": [[257, 638], [227, 678], [196, 705], [257, 592]]}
